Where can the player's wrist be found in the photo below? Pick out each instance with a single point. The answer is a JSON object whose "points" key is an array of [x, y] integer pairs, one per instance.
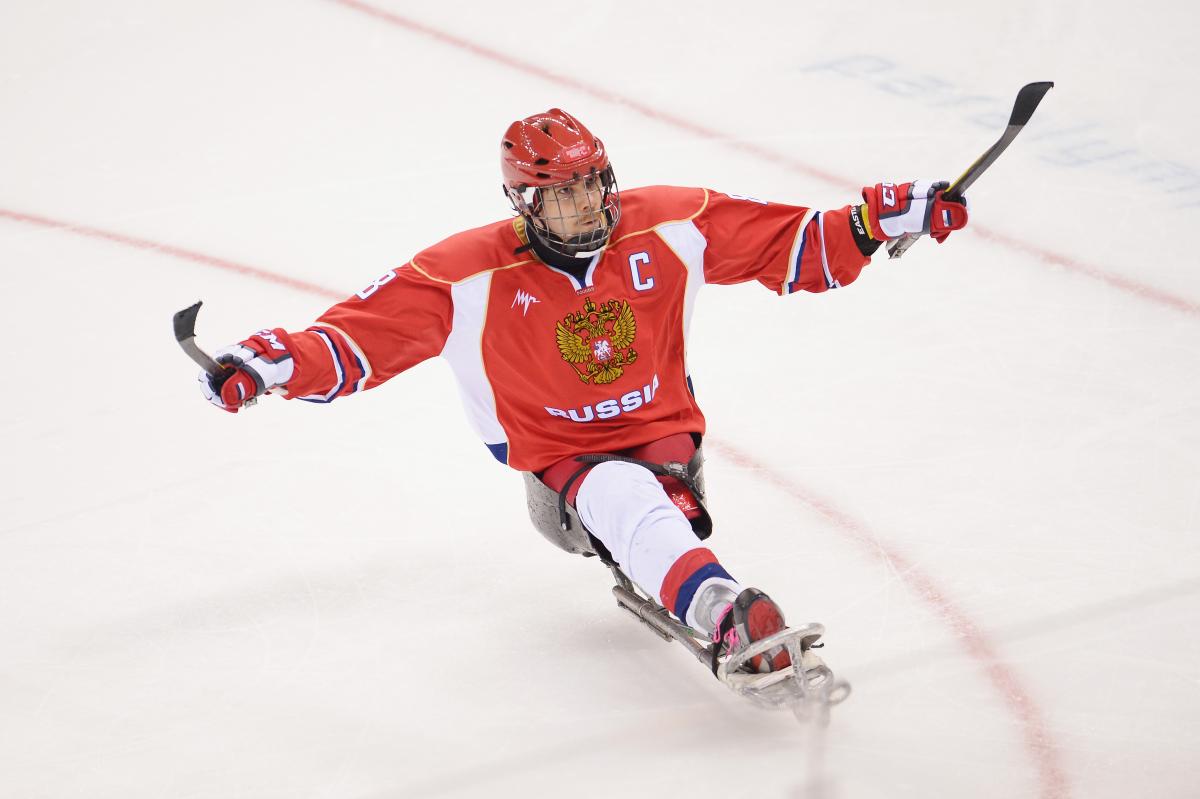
{"points": [[860, 229]]}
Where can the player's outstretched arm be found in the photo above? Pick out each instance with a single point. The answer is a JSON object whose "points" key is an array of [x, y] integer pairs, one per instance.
{"points": [[792, 249], [395, 323]]}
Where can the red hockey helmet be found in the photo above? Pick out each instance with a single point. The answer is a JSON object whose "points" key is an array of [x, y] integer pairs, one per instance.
{"points": [[542, 157], [547, 148]]}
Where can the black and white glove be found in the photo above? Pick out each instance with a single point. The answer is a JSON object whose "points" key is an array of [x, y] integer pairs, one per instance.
{"points": [[893, 210], [252, 368]]}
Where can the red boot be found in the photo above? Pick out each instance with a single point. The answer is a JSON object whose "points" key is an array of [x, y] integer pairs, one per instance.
{"points": [[749, 618]]}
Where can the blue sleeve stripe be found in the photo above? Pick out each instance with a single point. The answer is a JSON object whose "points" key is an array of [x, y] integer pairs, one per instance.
{"points": [[830, 281], [338, 366], [362, 372], [800, 255]]}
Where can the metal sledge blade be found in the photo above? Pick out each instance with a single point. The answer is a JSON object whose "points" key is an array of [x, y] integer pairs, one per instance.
{"points": [[809, 688]]}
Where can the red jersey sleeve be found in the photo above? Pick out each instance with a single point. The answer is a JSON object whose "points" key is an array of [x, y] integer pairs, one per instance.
{"points": [[393, 324], [787, 248]]}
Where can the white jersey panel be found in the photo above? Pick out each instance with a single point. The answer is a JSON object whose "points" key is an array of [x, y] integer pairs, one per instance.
{"points": [[464, 352], [688, 244]]}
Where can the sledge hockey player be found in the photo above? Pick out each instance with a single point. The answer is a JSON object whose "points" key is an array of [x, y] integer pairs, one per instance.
{"points": [[566, 328]]}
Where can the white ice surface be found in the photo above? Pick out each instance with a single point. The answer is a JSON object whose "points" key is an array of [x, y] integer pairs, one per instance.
{"points": [[978, 466]]}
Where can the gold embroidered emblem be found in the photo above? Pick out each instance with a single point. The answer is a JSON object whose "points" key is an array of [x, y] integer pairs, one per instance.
{"points": [[596, 341]]}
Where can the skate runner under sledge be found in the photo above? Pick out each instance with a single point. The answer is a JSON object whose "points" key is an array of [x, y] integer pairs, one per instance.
{"points": [[806, 686]]}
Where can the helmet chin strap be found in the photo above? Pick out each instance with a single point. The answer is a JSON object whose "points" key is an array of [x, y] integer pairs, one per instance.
{"points": [[554, 254], [574, 245]]}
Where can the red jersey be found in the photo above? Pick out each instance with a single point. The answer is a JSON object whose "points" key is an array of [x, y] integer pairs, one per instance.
{"points": [[549, 366]]}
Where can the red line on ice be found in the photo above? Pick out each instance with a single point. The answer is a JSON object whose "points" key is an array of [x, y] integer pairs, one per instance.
{"points": [[1006, 682], [177, 252], [1142, 290], [1038, 739], [1125, 284]]}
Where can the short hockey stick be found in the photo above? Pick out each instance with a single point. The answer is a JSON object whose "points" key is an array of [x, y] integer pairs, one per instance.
{"points": [[185, 333], [1026, 103]]}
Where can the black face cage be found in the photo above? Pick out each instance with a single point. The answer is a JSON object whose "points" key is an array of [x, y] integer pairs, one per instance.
{"points": [[594, 216]]}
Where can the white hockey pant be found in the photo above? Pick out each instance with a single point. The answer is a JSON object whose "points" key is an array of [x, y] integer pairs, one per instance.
{"points": [[625, 507]]}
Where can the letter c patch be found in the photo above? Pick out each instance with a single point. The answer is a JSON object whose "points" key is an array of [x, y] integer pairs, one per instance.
{"points": [[635, 272]]}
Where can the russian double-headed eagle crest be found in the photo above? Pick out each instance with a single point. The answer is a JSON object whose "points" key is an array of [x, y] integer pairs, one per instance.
{"points": [[596, 341]]}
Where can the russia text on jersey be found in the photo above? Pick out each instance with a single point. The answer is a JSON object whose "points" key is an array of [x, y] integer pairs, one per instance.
{"points": [[609, 408]]}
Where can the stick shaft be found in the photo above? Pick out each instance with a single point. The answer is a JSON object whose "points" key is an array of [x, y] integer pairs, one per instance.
{"points": [[1023, 107]]}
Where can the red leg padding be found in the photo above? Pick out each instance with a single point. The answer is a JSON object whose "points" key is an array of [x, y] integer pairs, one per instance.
{"points": [[679, 447]]}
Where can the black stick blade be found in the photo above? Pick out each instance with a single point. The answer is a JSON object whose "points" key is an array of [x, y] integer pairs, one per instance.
{"points": [[185, 334], [185, 321], [1027, 101]]}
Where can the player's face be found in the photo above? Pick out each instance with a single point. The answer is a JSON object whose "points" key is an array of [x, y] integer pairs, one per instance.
{"points": [[574, 208]]}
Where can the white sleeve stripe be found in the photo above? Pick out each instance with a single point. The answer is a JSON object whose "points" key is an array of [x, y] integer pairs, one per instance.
{"points": [[367, 369], [337, 366], [829, 281], [797, 253]]}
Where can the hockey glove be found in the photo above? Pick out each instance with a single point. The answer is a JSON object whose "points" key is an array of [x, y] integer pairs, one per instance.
{"points": [[919, 207], [252, 368]]}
